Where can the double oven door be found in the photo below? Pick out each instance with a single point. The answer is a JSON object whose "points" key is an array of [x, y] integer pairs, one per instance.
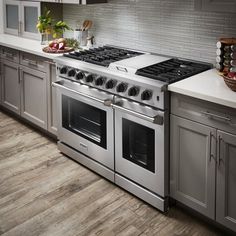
{"points": [[139, 145], [86, 121]]}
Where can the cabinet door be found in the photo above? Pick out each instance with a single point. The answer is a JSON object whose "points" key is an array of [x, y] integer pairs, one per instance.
{"points": [[10, 86], [52, 119], [33, 96], [226, 180], [30, 12], [216, 5], [192, 154], [11, 16]]}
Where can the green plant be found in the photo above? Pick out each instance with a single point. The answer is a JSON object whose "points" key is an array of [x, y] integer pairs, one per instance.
{"points": [[44, 22], [59, 28], [72, 43]]}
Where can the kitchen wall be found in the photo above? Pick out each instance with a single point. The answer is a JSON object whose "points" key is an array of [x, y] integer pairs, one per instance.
{"points": [[170, 27]]}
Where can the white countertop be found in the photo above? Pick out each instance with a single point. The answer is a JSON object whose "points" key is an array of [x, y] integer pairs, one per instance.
{"points": [[207, 86], [26, 45]]}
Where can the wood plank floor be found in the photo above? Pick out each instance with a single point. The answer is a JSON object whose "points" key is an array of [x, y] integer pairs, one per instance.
{"points": [[44, 193]]}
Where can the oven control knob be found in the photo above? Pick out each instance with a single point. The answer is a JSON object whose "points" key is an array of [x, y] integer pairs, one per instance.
{"points": [[146, 95], [99, 81], [133, 91], [110, 84], [63, 70], [121, 88], [89, 78], [71, 73], [79, 75]]}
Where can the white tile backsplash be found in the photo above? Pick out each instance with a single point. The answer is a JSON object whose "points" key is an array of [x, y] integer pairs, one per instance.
{"points": [[167, 27]]}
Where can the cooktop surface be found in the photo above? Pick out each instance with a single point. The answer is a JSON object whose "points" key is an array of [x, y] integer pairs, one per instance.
{"points": [[172, 70]]}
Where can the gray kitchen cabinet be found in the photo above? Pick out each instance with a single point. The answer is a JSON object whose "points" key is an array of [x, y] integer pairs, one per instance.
{"points": [[52, 118], [11, 10], [193, 168], [20, 18], [10, 86], [24, 85], [33, 96], [203, 157], [216, 5], [226, 180]]}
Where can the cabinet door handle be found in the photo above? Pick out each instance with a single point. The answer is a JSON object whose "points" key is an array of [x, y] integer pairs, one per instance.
{"points": [[220, 159], [211, 155], [20, 78], [19, 27]]}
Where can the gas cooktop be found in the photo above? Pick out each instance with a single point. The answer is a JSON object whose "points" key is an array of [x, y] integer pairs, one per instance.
{"points": [[172, 70], [133, 63], [103, 56]]}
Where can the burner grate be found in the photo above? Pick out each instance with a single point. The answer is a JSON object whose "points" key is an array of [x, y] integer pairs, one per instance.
{"points": [[172, 70], [102, 56]]}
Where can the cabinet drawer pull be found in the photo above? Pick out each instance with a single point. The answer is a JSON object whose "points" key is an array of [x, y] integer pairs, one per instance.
{"points": [[31, 62], [219, 118], [212, 115], [9, 55], [51, 63]]}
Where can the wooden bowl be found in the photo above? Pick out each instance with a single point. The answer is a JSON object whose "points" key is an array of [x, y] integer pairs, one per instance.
{"points": [[231, 83], [55, 51]]}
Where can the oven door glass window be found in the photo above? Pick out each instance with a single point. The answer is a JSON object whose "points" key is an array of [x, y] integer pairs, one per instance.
{"points": [[84, 120], [138, 144]]}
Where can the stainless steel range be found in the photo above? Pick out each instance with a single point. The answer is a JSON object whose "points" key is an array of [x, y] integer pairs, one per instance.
{"points": [[113, 111]]}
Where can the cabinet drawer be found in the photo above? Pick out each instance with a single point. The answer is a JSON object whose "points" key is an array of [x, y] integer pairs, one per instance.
{"points": [[10, 54], [33, 61], [204, 112]]}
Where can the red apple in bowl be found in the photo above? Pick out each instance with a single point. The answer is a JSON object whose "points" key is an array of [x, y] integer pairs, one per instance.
{"points": [[55, 45], [61, 46]]}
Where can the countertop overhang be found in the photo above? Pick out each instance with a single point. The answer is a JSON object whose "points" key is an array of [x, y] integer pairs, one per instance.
{"points": [[208, 86], [26, 45]]}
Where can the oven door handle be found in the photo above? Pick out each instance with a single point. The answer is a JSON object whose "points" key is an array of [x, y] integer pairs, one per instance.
{"points": [[158, 119], [58, 84]]}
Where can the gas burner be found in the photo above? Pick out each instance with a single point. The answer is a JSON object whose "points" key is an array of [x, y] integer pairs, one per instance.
{"points": [[172, 70], [102, 56]]}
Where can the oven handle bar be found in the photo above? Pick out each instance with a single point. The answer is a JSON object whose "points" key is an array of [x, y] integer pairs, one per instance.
{"points": [[106, 102], [158, 119]]}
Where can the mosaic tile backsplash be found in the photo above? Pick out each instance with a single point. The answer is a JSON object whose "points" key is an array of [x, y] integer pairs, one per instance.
{"points": [[167, 27]]}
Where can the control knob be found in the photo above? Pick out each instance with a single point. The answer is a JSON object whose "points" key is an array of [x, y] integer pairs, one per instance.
{"points": [[63, 70], [89, 78], [79, 75], [99, 81], [71, 72], [121, 88], [146, 95], [110, 84], [133, 91]]}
